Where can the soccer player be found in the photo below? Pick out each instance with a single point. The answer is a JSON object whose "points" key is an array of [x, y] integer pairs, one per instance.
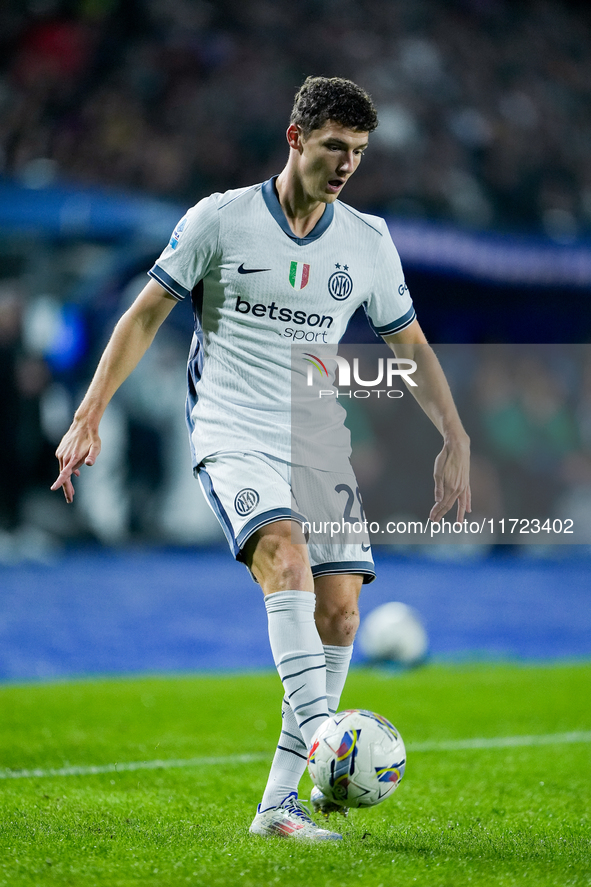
{"points": [[266, 266]]}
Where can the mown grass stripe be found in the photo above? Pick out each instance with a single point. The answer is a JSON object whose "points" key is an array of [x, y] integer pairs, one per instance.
{"points": [[446, 745]]}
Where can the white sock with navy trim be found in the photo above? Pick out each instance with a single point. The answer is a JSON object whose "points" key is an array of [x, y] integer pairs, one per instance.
{"points": [[299, 657], [289, 761]]}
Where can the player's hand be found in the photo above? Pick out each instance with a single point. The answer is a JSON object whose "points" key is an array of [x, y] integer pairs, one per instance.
{"points": [[79, 446], [452, 479]]}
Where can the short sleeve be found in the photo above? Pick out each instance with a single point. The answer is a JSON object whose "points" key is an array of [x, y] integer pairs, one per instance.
{"points": [[192, 247], [389, 306]]}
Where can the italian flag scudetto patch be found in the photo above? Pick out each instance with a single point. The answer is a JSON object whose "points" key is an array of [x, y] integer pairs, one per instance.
{"points": [[299, 274]]}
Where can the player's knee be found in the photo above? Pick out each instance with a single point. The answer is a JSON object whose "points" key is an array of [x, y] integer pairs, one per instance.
{"points": [[337, 622]]}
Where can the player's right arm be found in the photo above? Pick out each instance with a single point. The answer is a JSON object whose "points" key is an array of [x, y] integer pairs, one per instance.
{"points": [[130, 340]]}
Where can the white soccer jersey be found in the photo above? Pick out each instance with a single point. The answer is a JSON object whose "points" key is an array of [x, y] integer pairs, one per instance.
{"points": [[256, 290]]}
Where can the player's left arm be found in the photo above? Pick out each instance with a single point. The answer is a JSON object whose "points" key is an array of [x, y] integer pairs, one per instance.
{"points": [[432, 392]]}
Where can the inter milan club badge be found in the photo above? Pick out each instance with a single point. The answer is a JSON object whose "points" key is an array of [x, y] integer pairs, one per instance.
{"points": [[340, 285], [245, 501], [299, 274]]}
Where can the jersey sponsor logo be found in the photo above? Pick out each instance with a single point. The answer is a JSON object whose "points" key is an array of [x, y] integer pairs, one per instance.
{"points": [[246, 500], [176, 234], [283, 315], [340, 284], [243, 270], [299, 274], [402, 289]]}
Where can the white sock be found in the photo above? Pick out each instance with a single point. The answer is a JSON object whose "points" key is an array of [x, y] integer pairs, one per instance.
{"points": [[299, 657], [289, 761], [337, 667]]}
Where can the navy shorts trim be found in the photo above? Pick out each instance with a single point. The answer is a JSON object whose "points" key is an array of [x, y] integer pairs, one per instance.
{"points": [[218, 509], [363, 568], [261, 520]]}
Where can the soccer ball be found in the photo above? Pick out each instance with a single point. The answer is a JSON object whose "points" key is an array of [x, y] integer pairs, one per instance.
{"points": [[393, 632], [357, 758]]}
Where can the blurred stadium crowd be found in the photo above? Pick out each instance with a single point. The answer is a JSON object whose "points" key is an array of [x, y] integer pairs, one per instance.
{"points": [[484, 104]]}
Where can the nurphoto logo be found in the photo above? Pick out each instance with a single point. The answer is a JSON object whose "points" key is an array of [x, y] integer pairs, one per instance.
{"points": [[387, 371]]}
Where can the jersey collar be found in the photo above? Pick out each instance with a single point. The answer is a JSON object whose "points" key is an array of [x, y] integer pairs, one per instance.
{"points": [[274, 207]]}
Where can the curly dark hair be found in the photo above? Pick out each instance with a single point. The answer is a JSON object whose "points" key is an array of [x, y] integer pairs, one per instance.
{"points": [[332, 98]]}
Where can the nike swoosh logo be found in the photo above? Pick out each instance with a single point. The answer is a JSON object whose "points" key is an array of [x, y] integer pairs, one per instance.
{"points": [[243, 270], [365, 547]]}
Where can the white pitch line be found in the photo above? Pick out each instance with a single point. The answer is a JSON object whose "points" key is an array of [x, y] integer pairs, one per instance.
{"points": [[447, 745], [93, 770], [503, 741]]}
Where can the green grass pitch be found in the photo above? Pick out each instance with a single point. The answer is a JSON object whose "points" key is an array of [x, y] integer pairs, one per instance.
{"points": [[504, 815]]}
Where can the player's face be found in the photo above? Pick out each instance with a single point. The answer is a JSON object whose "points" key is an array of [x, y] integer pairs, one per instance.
{"points": [[328, 158]]}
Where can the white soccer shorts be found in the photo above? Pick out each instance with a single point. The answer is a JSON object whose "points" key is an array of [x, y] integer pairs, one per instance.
{"points": [[246, 491]]}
